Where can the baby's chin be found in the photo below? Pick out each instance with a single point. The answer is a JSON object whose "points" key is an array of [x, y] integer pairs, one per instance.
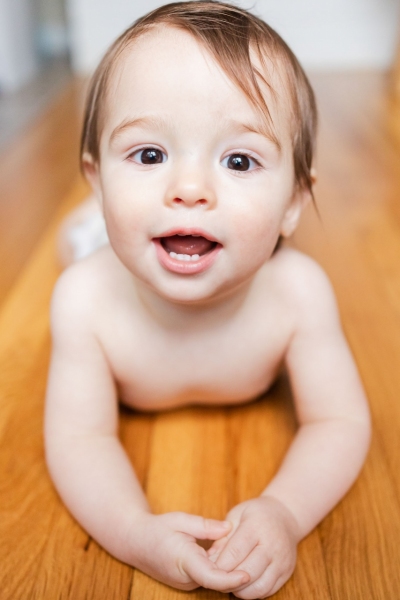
{"points": [[202, 295], [189, 294], [188, 290]]}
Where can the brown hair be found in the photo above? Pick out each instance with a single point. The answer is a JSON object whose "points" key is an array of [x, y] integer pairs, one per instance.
{"points": [[229, 34]]}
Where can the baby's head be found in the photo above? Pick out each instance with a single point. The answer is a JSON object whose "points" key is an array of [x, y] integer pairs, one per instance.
{"points": [[198, 141], [248, 50]]}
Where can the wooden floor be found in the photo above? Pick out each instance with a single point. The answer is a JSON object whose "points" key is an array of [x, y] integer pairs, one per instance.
{"points": [[37, 170], [206, 460]]}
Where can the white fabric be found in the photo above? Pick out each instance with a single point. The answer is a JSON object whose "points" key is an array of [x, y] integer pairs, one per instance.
{"points": [[88, 236]]}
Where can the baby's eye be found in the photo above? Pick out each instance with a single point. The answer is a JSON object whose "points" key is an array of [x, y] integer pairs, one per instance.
{"points": [[239, 162], [148, 156]]}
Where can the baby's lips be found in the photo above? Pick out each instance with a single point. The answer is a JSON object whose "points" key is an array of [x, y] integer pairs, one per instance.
{"points": [[183, 231]]}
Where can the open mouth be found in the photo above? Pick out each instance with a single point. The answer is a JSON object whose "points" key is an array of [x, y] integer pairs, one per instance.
{"points": [[187, 247], [186, 253]]}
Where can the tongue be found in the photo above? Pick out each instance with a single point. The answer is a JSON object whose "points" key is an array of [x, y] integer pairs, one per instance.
{"points": [[187, 244]]}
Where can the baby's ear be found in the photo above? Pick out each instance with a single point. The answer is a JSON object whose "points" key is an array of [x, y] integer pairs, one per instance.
{"points": [[301, 197], [314, 177], [91, 172]]}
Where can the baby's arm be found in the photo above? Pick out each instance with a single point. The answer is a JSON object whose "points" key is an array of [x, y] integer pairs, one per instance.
{"points": [[325, 457], [91, 470]]}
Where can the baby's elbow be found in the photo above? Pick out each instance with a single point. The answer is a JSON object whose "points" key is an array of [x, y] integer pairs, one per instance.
{"points": [[367, 431], [57, 447], [52, 454], [362, 432], [366, 422], [359, 415]]}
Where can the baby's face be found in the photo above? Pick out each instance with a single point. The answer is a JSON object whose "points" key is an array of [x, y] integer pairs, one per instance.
{"points": [[195, 195]]}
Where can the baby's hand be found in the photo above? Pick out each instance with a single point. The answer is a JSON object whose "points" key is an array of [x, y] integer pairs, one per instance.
{"points": [[262, 542], [164, 546]]}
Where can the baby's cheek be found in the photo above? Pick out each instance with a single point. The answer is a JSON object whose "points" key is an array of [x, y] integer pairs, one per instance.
{"points": [[257, 239], [126, 221]]}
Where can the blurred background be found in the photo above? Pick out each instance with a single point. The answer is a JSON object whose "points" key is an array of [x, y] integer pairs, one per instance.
{"points": [[42, 42], [48, 48]]}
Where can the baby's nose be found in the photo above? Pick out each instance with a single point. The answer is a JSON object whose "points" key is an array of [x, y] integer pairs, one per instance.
{"points": [[191, 187]]}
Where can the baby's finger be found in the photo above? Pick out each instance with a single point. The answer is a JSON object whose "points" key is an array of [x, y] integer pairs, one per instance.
{"points": [[236, 550], [199, 527], [262, 587], [217, 547], [201, 570], [255, 564]]}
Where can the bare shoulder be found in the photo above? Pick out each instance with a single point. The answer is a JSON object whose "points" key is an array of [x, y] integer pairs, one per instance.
{"points": [[300, 271], [306, 287], [80, 292]]}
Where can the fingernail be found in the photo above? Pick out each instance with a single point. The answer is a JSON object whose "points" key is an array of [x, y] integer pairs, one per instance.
{"points": [[226, 525]]}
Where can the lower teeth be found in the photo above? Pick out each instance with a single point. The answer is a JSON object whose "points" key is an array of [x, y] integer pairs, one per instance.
{"points": [[184, 257]]}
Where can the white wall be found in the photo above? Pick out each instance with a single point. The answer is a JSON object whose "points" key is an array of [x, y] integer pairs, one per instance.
{"points": [[336, 33], [18, 57], [52, 33], [332, 34]]}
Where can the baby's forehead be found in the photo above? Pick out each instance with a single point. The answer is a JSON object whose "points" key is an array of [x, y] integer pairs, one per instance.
{"points": [[136, 62]]}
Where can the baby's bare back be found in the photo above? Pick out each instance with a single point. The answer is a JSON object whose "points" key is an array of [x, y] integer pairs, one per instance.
{"points": [[229, 353]]}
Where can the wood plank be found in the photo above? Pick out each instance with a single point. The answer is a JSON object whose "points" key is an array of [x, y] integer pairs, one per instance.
{"points": [[187, 473], [36, 171], [359, 249]]}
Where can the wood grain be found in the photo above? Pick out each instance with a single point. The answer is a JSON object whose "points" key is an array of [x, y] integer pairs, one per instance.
{"points": [[206, 460], [36, 172]]}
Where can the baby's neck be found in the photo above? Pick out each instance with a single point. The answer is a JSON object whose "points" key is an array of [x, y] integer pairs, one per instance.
{"points": [[193, 315]]}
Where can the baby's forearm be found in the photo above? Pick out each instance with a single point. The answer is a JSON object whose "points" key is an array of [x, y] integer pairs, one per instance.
{"points": [[97, 483], [319, 468]]}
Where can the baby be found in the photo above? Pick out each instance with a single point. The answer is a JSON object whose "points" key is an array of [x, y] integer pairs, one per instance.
{"points": [[198, 143]]}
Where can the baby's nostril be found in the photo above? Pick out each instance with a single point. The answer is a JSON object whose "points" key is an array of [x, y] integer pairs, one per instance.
{"points": [[199, 201]]}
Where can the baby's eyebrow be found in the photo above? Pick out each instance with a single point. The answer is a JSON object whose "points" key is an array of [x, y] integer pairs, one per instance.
{"points": [[161, 123], [156, 122], [242, 127]]}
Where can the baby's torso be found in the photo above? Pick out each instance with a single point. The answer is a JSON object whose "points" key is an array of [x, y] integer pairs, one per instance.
{"points": [[162, 373], [225, 361]]}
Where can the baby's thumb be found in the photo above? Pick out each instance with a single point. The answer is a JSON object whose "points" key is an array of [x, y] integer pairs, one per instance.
{"points": [[201, 528]]}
